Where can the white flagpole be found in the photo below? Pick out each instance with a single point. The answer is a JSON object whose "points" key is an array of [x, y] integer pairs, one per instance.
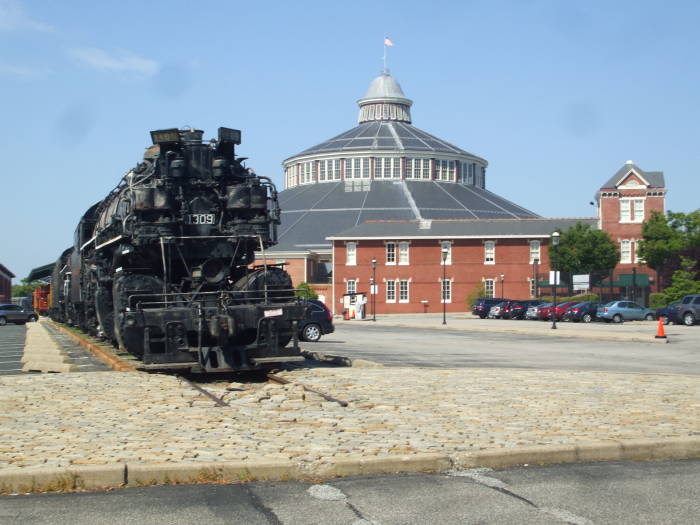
{"points": [[384, 42]]}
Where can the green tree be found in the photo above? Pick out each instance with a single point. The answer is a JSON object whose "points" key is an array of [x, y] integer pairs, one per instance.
{"points": [[668, 238], [583, 250], [683, 282], [479, 292], [304, 290], [660, 241], [26, 288]]}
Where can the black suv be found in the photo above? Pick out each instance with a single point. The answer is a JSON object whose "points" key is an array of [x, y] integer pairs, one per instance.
{"points": [[12, 313], [689, 310], [318, 322], [482, 306]]}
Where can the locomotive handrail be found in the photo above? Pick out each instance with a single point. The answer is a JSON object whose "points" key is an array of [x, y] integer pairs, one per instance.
{"points": [[188, 298]]}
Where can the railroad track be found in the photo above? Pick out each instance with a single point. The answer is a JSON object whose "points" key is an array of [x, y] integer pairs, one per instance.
{"points": [[119, 364]]}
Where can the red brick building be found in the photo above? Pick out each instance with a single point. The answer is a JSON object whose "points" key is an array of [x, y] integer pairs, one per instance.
{"points": [[6, 277]]}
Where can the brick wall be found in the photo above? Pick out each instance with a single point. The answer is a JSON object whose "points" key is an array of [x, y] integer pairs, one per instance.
{"points": [[424, 273]]}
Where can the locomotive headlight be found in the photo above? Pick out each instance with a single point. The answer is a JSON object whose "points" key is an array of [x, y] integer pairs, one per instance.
{"points": [[164, 136], [230, 135], [196, 272]]}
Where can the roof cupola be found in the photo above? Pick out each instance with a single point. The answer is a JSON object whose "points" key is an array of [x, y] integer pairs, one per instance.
{"points": [[385, 100]]}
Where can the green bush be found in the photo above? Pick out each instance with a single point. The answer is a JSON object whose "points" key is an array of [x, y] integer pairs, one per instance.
{"points": [[656, 300], [304, 290], [479, 292]]}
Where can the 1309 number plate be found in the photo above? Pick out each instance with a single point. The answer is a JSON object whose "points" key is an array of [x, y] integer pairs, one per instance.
{"points": [[199, 218]]}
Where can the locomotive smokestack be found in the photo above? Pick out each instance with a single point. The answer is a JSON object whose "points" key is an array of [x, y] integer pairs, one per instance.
{"points": [[192, 136]]}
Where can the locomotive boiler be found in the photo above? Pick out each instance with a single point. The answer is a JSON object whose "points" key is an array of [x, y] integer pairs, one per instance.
{"points": [[163, 265]]}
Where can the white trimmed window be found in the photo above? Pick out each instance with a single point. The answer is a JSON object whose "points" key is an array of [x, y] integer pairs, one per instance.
{"points": [[490, 252], [354, 168], [403, 253], [328, 170], [446, 291], [637, 210], [307, 172], [351, 254], [403, 291], [391, 291], [534, 251], [625, 251], [489, 288], [387, 168], [418, 169], [625, 210], [637, 259], [351, 286], [391, 253], [446, 245]]}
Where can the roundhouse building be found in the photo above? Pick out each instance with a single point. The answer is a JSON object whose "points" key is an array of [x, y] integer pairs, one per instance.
{"points": [[384, 168], [389, 192]]}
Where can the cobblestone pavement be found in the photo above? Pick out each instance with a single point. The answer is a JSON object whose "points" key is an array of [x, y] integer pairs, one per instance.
{"points": [[59, 420]]}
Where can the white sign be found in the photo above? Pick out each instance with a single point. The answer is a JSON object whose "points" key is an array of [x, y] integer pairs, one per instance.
{"points": [[374, 289], [273, 313], [581, 282], [555, 279]]}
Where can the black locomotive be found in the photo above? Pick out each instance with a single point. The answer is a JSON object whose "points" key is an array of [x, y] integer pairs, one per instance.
{"points": [[162, 265]]}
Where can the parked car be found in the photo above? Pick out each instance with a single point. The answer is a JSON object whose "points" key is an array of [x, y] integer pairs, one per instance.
{"points": [[545, 313], [533, 312], [498, 310], [14, 313], [518, 309], [618, 311], [669, 313], [482, 306], [318, 322], [561, 309], [585, 312], [689, 310]]}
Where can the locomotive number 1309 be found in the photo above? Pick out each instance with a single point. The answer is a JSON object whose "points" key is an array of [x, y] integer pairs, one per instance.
{"points": [[199, 218]]}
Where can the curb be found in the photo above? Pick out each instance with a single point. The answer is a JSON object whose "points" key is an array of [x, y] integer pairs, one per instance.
{"points": [[110, 360], [20, 480]]}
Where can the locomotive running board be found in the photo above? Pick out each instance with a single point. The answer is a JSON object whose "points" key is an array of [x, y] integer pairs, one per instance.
{"points": [[166, 366]]}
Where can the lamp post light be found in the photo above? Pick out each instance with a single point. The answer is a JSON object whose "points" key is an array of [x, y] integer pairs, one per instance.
{"points": [[503, 278], [373, 289], [555, 243], [442, 286]]}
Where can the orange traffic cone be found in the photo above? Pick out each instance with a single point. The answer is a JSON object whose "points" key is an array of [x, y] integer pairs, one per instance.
{"points": [[660, 334], [346, 315]]}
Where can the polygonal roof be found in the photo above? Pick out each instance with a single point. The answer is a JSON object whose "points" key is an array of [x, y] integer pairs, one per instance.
{"points": [[312, 212], [385, 135]]}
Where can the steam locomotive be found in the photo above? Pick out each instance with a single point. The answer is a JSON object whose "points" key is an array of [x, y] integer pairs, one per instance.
{"points": [[162, 265]]}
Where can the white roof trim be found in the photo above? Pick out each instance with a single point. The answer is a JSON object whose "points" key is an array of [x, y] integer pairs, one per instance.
{"points": [[617, 184], [442, 237]]}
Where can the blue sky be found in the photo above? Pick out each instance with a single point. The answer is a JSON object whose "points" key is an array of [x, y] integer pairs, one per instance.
{"points": [[556, 95]]}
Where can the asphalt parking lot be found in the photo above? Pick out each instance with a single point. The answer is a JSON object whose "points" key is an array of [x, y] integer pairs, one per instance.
{"points": [[11, 346], [467, 341]]}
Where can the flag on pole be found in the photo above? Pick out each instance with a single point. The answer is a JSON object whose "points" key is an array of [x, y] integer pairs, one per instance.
{"points": [[388, 42]]}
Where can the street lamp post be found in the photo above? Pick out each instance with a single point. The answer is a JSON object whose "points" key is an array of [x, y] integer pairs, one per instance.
{"points": [[373, 289], [442, 286], [555, 243], [503, 278]]}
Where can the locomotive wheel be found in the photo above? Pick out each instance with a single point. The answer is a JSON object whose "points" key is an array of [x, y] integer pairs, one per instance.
{"points": [[104, 307], [125, 285]]}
